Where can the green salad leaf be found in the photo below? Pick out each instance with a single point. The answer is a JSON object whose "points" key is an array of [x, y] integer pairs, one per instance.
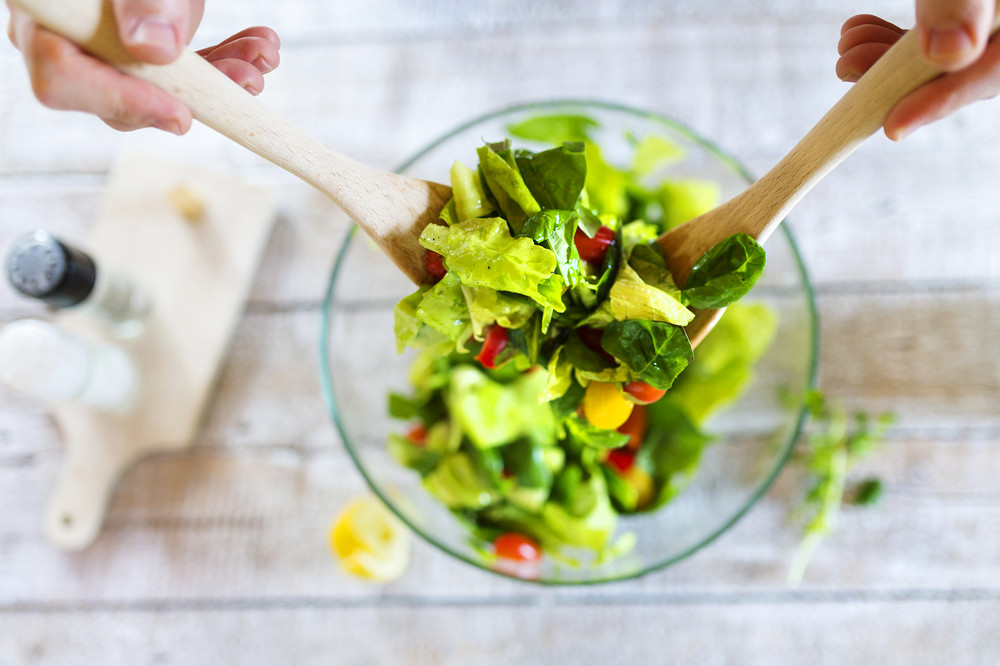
{"points": [[725, 273], [554, 229], [492, 414], [482, 253], [470, 196], [499, 171], [556, 129], [554, 177], [656, 352]]}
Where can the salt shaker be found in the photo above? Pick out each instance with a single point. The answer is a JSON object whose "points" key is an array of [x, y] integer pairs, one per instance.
{"points": [[50, 364]]}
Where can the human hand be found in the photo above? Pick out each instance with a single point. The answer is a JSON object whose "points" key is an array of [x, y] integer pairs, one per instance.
{"points": [[64, 77], [954, 37]]}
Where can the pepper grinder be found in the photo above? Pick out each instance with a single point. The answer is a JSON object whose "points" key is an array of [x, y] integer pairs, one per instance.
{"points": [[41, 266]]}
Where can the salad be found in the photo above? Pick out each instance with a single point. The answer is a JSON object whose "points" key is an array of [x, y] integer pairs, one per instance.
{"points": [[554, 388]]}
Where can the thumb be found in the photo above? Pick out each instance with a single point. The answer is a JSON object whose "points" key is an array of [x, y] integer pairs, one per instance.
{"points": [[953, 33], [153, 31]]}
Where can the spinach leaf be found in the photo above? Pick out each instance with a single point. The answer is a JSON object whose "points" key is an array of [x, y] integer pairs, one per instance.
{"points": [[582, 357], [567, 403], [555, 229], [725, 273], [555, 177], [525, 460], [528, 338], [656, 351]]}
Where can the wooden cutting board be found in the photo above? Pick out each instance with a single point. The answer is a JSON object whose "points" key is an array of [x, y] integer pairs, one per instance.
{"points": [[191, 238]]}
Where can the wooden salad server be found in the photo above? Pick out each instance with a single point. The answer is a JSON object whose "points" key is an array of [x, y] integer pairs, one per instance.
{"points": [[392, 209], [758, 210]]}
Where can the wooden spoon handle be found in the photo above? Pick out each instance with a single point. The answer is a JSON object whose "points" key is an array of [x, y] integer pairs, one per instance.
{"points": [[392, 209], [854, 118]]}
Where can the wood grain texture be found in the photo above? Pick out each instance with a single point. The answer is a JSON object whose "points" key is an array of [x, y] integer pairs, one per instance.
{"points": [[218, 555]]}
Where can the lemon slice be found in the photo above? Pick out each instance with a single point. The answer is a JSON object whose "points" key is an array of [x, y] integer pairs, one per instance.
{"points": [[370, 541]]}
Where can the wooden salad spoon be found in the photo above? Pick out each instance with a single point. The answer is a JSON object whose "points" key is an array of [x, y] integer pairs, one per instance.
{"points": [[759, 209], [392, 209]]}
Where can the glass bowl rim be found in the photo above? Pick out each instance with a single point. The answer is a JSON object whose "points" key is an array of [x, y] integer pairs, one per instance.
{"points": [[812, 318]]}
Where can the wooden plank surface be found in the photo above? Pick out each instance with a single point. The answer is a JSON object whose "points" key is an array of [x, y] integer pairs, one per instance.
{"points": [[218, 555]]}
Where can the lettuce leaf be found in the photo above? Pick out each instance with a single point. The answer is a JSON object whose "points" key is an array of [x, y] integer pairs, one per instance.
{"points": [[499, 170], [631, 298], [409, 328], [487, 306], [482, 253], [653, 152], [492, 414], [444, 309], [468, 193], [683, 200], [724, 368], [556, 128], [460, 484]]}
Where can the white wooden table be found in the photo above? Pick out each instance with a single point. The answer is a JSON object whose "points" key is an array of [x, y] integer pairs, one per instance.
{"points": [[218, 555]]}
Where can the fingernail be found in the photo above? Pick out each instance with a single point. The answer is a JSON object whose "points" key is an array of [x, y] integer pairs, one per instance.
{"points": [[249, 87], [948, 45], [263, 65], [850, 77], [152, 31], [171, 125], [904, 132]]}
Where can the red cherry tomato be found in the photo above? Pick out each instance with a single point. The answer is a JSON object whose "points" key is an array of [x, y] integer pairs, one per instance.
{"points": [[496, 340], [417, 434], [635, 427], [434, 263], [621, 459], [593, 249], [643, 392], [514, 546]]}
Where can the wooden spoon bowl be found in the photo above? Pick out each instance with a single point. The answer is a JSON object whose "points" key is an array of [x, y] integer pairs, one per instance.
{"points": [[759, 209]]}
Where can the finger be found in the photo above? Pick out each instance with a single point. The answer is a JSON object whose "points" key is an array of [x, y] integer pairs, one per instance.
{"points": [[258, 51], [257, 31], [953, 33], [63, 77], [868, 19], [945, 95], [868, 33], [243, 73], [153, 31], [859, 59]]}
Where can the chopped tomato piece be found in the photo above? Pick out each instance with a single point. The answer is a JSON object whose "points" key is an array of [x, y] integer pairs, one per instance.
{"points": [[593, 249], [417, 434], [621, 459], [434, 263], [635, 427], [495, 342], [514, 546], [643, 392]]}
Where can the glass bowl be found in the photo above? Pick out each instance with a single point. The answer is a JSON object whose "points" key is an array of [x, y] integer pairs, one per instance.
{"points": [[755, 435]]}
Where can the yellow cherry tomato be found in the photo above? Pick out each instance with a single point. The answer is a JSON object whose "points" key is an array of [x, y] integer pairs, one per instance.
{"points": [[605, 406]]}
